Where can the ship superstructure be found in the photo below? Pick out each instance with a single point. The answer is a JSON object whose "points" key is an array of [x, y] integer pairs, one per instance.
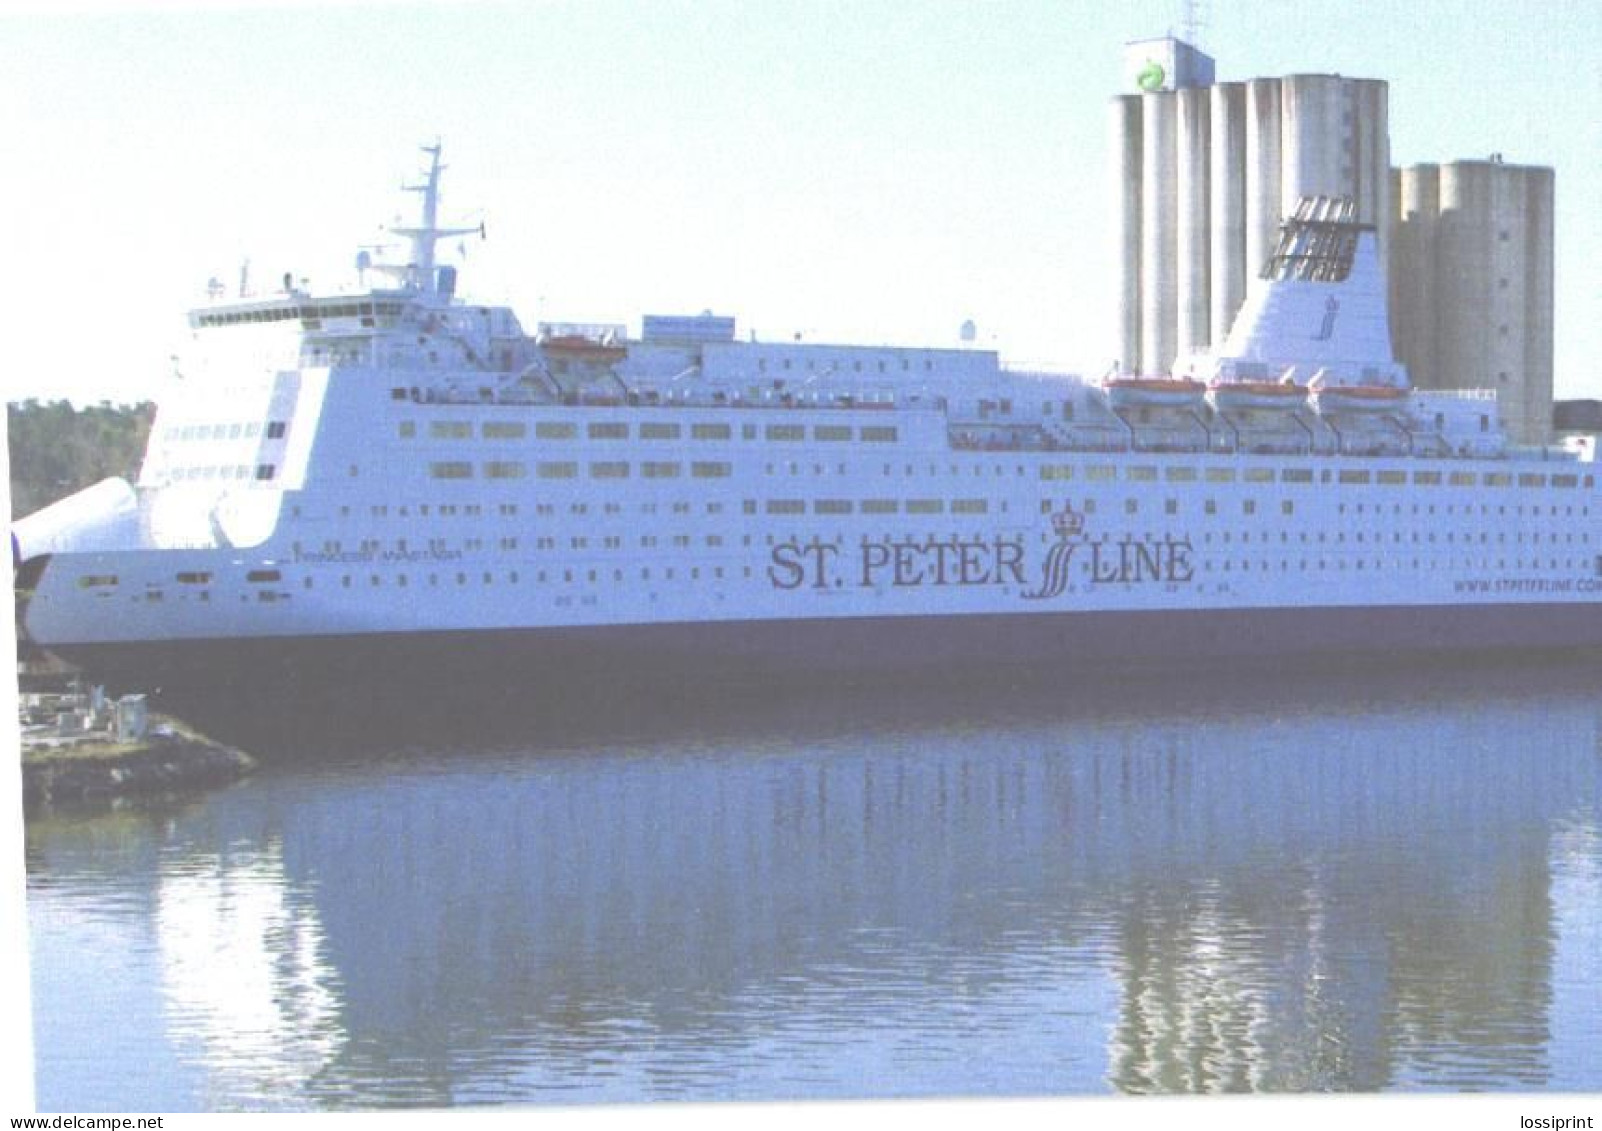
{"points": [[401, 467]]}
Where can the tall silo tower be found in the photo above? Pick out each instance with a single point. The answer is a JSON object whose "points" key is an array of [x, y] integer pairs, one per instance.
{"points": [[1203, 172]]}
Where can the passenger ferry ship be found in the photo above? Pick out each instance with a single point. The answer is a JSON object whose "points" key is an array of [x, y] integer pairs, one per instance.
{"points": [[398, 472]]}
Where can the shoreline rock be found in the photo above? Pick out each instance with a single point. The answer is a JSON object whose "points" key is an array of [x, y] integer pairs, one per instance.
{"points": [[96, 771]]}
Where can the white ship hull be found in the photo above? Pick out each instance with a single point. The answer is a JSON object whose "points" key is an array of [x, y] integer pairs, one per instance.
{"points": [[400, 473]]}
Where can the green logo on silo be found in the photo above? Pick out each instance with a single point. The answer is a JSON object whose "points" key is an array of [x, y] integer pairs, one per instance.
{"points": [[1151, 76]]}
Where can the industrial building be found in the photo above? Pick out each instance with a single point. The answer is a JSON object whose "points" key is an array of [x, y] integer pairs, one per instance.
{"points": [[1202, 173], [1471, 284]]}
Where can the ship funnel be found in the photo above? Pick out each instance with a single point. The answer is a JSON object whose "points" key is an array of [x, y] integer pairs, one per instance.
{"points": [[1318, 306]]}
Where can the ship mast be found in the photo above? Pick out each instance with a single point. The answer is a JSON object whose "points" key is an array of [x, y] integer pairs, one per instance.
{"points": [[420, 271]]}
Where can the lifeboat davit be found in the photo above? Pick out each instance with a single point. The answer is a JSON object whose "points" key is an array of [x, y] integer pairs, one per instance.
{"points": [[1275, 396], [1147, 392], [1358, 398]]}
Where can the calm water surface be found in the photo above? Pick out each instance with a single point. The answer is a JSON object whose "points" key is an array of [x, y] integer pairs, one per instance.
{"points": [[1306, 882]]}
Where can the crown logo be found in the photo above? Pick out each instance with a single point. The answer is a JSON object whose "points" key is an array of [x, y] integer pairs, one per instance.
{"points": [[1068, 522]]}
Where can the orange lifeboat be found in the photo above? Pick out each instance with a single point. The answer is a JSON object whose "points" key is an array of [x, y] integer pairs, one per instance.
{"points": [[1275, 396], [578, 347], [1146, 392], [1358, 398]]}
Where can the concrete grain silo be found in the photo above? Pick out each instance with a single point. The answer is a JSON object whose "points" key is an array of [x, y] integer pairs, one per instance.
{"points": [[1159, 269], [1192, 249], [1226, 227], [1125, 145], [1219, 165], [1261, 191], [1472, 275]]}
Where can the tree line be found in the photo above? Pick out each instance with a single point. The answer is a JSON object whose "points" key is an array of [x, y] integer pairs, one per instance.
{"points": [[57, 449]]}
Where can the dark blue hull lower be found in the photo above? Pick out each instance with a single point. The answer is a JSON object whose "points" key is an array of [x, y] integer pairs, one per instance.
{"points": [[695, 653]]}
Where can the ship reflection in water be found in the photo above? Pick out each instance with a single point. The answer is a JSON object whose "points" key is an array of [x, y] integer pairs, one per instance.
{"points": [[1297, 884]]}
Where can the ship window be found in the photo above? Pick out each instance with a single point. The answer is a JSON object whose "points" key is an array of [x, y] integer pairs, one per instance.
{"points": [[275, 430], [1248, 506], [96, 580], [879, 506], [265, 471], [451, 470], [1180, 474], [710, 470], [831, 506], [1296, 475], [925, 506], [1056, 471], [786, 506], [970, 506], [559, 470], [450, 430], [1350, 475], [710, 431], [609, 469], [1259, 475], [659, 431], [1392, 478], [659, 470], [831, 432], [879, 433], [1220, 475], [1101, 471], [785, 432], [608, 430], [1532, 481], [504, 430], [1427, 478], [1565, 481], [259, 575], [504, 469], [1498, 479], [193, 577], [408, 429], [554, 430]]}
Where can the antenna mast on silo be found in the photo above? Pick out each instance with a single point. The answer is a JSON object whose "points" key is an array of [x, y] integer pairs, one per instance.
{"points": [[1193, 21]]}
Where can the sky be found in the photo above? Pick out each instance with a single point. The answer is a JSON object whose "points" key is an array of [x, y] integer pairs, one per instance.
{"points": [[877, 171]]}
